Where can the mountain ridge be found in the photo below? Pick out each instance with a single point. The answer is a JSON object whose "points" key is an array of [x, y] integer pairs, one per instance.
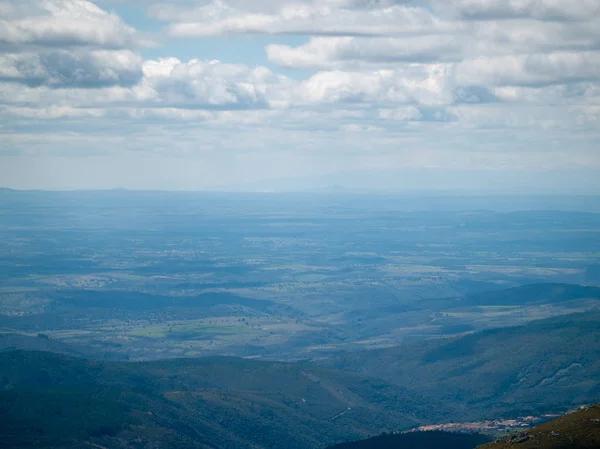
{"points": [[554, 362], [230, 402]]}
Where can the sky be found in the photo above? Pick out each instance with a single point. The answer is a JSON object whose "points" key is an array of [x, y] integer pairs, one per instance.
{"points": [[299, 94]]}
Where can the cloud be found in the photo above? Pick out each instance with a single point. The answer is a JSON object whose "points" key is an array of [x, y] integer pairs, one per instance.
{"points": [[333, 18], [78, 68], [424, 85], [66, 44], [530, 70], [59, 23], [161, 83], [407, 113], [551, 10], [326, 52], [51, 112], [382, 83], [208, 84]]}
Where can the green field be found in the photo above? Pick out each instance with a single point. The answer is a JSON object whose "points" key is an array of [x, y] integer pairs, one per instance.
{"points": [[187, 329]]}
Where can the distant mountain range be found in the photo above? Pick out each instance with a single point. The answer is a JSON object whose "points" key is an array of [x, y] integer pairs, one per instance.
{"points": [[435, 180]]}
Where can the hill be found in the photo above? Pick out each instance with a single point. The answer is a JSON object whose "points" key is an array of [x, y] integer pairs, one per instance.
{"points": [[13, 341], [546, 364], [532, 294], [522, 296], [418, 440], [578, 430], [423, 318], [51, 400]]}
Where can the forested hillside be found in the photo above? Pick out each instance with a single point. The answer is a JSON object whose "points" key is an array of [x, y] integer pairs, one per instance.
{"points": [[49, 400], [418, 440], [508, 371]]}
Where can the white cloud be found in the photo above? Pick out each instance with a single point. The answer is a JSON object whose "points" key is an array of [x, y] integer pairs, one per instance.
{"points": [[52, 112], [384, 83], [319, 18], [74, 68], [327, 52], [551, 10], [163, 83], [530, 70], [419, 84], [61, 23], [527, 36], [65, 43], [208, 84], [407, 113]]}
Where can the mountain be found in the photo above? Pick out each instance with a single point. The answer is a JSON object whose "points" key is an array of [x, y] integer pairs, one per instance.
{"points": [[52, 400], [418, 440], [545, 364], [578, 430]]}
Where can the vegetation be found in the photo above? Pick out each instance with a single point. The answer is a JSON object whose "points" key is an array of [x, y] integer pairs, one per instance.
{"points": [[285, 277], [419, 440], [509, 371], [532, 294], [575, 430], [13, 341], [49, 400], [578, 430], [326, 282]]}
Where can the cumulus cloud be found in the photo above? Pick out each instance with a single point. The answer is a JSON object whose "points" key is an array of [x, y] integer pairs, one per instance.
{"points": [[163, 83], [61, 23], [376, 75], [66, 44], [324, 52], [420, 84], [530, 70], [208, 84], [79, 68]]}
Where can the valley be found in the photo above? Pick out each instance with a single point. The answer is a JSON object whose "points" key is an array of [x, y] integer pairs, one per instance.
{"points": [[287, 276], [477, 382], [245, 321]]}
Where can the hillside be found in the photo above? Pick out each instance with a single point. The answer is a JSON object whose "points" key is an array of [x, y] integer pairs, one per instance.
{"points": [[532, 294], [50, 400], [13, 341], [424, 318], [546, 364], [522, 296], [418, 440], [578, 430]]}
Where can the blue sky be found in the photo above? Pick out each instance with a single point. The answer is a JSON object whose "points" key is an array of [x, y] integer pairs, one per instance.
{"points": [[263, 94]]}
